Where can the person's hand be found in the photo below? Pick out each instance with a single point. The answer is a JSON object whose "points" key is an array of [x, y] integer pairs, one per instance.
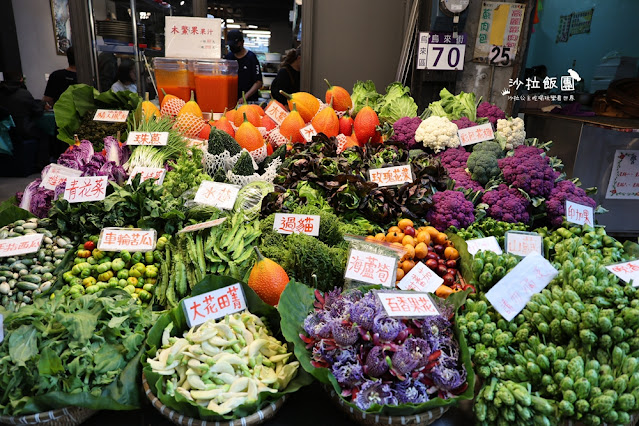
{"points": [[240, 101]]}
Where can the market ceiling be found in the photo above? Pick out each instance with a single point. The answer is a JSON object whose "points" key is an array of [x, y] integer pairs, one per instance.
{"points": [[252, 12]]}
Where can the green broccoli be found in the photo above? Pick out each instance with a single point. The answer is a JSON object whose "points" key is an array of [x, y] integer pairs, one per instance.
{"points": [[329, 230], [491, 146], [244, 165], [483, 166], [220, 175], [220, 141], [278, 153], [313, 260]]}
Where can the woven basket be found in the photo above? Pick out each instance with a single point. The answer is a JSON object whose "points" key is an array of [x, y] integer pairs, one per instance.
{"points": [[70, 416], [180, 419], [361, 417]]}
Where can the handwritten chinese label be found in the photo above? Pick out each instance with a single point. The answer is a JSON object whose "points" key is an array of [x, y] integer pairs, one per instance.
{"points": [[371, 268], [57, 174], [20, 245], [523, 243], [628, 271], [510, 295], [390, 176], [132, 239], [421, 278], [111, 115], [498, 32], [147, 138], [486, 244], [441, 51], [308, 132], [624, 178], [88, 188], [579, 214], [407, 304], [214, 304], [157, 173], [203, 225], [475, 134], [220, 195], [194, 38], [276, 112], [286, 223]]}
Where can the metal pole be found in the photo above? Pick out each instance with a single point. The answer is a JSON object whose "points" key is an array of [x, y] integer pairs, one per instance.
{"points": [[94, 53], [136, 56]]}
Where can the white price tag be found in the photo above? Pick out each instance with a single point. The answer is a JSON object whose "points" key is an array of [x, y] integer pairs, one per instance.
{"points": [[214, 304], [20, 245], [371, 268], [57, 174], [131, 239], [147, 138], [390, 176], [286, 223], [308, 132], [421, 278], [441, 51], [522, 243], [203, 225], [220, 195], [111, 115], [157, 173], [88, 188], [486, 244], [579, 214], [407, 304], [194, 38], [475, 134], [627, 271], [510, 295], [276, 112]]}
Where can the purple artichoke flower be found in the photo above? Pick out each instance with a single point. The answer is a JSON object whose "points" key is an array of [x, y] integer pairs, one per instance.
{"points": [[419, 348], [349, 374], [374, 392], [449, 352], [345, 334], [448, 378], [437, 327], [362, 315], [343, 355], [324, 350], [404, 360], [332, 297], [386, 327], [376, 364], [411, 392]]}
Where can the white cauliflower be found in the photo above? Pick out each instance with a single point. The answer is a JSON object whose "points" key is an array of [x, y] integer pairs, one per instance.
{"points": [[510, 133], [437, 133]]}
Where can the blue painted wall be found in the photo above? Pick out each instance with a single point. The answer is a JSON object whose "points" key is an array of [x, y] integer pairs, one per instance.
{"points": [[615, 26]]}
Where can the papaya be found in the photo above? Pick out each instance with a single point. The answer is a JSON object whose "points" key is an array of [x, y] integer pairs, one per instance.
{"points": [[326, 121], [307, 104], [291, 126], [339, 96], [250, 138]]}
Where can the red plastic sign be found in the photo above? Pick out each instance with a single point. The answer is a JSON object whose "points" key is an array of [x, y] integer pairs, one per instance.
{"points": [[390, 176], [407, 304], [88, 188], [20, 245], [214, 304], [421, 278], [132, 239], [301, 223], [111, 115]]}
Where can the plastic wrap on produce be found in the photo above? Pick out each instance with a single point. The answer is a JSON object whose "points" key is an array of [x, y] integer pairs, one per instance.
{"points": [[276, 138], [213, 162], [341, 143], [268, 175]]}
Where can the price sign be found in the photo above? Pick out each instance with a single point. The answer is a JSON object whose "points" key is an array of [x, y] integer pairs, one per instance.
{"points": [[111, 115], [475, 134], [57, 174], [220, 195], [627, 271], [498, 32], [510, 295], [147, 138], [579, 214], [371, 268], [276, 112], [308, 132], [157, 173], [421, 278], [214, 304], [441, 51], [203, 225], [390, 176], [407, 304], [500, 55], [486, 244], [523, 243], [194, 38], [301, 223], [132, 239], [20, 245], [88, 188]]}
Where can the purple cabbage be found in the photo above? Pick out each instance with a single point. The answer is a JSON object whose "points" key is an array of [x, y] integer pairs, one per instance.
{"points": [[115, 151]]}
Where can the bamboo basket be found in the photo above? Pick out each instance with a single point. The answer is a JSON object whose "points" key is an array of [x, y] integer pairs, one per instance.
{"points": [[69, 416]]}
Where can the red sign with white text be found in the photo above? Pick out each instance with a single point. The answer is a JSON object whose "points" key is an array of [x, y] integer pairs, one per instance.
{"points": [[371, 268], [421, 278], [20, 245], [147, 138], [88, 188], [111, 115], [57, 174], [475, 134], [390, 176], [407, 304], [579, 214], [131, 239], [301, 223], [214, 304]]}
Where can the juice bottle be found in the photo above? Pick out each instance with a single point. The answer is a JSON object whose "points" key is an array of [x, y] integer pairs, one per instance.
{"points": [[216, 84], [171, 74]]}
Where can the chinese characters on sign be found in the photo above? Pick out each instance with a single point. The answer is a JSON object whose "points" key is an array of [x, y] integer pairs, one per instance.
{"points": [[195, 38], [111, 115], [88, 188], [147, 138], [203, 225], [407, 304], [475, 134], [57, 174], [220, 195], [573, 24], [421, 278], [148, 173], [276, 112], [523, 243], [626, 271], [286, 223], [390, 176], [510, 295], [214, 304], [486, 244], [371, 268], [498, 32], [20, 245], [132, 239], [308, 132], [441, 51], [579, 214], [624, 178]]}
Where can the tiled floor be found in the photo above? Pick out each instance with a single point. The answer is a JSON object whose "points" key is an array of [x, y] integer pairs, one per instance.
{"points": [[10, 185]]}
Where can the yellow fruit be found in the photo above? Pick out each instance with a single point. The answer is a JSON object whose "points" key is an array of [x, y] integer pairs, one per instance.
{"points": [[404, 223], [149, 109], [268, 279], [171, 105], [408, 240], [307, 104]]}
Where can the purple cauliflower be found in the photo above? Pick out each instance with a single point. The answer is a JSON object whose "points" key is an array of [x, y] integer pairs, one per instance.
{"points": [[566, 190], [454, 158], [404, 130], [464, 122], [529, 171], [507, 204], [374, 392], [463, 180], [491, 112], [450, 208]]}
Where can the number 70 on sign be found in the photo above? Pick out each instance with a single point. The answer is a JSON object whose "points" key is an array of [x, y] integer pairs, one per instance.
{"points": [[440, 56]]}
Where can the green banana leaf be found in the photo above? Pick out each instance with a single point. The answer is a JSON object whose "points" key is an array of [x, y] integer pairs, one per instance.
{"points": [[465, 258], [176, 315], [10, 212], [296, 303]]}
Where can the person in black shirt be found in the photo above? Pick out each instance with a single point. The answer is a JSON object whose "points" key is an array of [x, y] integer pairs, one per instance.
{"points": [[249, 73], [59, 81], [288, 77]]}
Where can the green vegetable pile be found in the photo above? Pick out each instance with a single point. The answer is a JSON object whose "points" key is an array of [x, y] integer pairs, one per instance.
{"points": [[488, 227], [187, 174], [96, 131], [488, 268]]}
